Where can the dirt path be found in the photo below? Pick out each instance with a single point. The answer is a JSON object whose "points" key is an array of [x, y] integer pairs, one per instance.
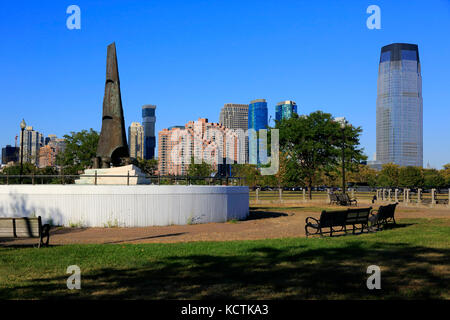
{"points": [[263, 223]]}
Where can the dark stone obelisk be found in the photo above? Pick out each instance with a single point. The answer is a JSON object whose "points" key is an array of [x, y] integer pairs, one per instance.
{"points": [[112, 148]]}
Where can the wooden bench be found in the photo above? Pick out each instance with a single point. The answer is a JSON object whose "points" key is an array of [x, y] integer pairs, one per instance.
{"points": [[346, 201], [25, 228], [333, 198], [337, 221], [328, 220], [384, 215], [342, 199], [358, 216]]}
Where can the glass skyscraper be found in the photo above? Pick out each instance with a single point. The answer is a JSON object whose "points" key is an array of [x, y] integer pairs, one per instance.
{"points": [[400, 106], [148, 122], [285, 109], [257, 119]]}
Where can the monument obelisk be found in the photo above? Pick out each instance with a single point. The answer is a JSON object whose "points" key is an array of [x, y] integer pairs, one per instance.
{"points": [[112, 148]]}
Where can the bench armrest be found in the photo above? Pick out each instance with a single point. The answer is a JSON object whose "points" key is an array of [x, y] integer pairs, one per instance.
{"points": [[307, 222]]}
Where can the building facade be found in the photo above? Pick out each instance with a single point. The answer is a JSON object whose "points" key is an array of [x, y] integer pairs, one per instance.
{"points": [[136, 140], [235, 116], [148, 122], [400, 106], [48, 153], [285, 110], [200, 141], [257, 120], [10, 154], [32, 142]]}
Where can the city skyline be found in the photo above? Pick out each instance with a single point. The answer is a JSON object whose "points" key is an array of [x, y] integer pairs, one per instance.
{"points": [[188, 82]]}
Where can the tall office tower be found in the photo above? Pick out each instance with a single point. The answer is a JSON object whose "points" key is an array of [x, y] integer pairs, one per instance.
{"points": [[400, 106], [136, 140], [32, 142], [10, 154], [235, 116], [202, 140], [285, 110], [148, 121], [257, 120]]}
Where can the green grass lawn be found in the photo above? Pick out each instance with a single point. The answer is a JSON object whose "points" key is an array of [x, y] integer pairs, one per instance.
{"points": [[414, 260]]}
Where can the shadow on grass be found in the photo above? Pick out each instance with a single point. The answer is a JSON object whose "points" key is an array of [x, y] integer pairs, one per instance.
{"points": [[337, 271], [145, 238]]}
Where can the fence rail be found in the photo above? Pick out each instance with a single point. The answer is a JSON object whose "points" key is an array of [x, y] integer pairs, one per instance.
{"points": [[278, 195], [154, 179]]}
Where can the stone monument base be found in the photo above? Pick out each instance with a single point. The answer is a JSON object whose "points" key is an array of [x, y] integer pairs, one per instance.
{"points": [[114, 176]]}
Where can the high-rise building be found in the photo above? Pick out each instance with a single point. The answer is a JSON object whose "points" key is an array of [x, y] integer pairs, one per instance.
{"points": [[32, 142], [235, 116], [257, 120], [10, 154], [204, 141], [285, 110], [148, 122], [400, 106], [47, 153], [136, 140]]}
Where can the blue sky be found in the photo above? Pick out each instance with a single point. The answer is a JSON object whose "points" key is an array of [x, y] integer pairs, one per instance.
{"points": [[191, 57]]}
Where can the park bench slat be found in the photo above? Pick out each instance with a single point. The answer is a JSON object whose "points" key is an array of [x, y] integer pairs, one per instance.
{"points": [[25, 228]]}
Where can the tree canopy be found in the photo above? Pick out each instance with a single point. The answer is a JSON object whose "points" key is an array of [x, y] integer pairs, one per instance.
{"points": [[80, 149], [313, 146]]}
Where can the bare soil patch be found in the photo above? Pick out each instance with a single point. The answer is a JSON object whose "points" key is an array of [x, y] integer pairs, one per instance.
{"points": [[265, 222]]}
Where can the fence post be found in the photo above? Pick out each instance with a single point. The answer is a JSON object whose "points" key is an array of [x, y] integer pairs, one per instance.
{"points": [[257, 194], [419, 195], [128, 177], [353, 193], [389, 195], [407, 195], [433, 197], [280, 191], [328, 195], [304, 194], [95, 179], [396, 195], [448, 203], [32, 178]]}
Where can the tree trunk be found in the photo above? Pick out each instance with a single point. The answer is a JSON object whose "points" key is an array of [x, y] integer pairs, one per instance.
{"points": [[310, 189]]}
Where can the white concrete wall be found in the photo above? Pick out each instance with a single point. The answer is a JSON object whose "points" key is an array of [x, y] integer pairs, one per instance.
{"points": [[124, 206]]}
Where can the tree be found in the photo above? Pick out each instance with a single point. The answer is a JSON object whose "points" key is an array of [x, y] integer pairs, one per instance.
{"points": [[364, 175], [148, 167], [199, 170], [80, 149], [388, 176], [249, 172], [433, 179], [31, 169], [28, 169], [313, 145], [445, 173], [410, 177]]}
